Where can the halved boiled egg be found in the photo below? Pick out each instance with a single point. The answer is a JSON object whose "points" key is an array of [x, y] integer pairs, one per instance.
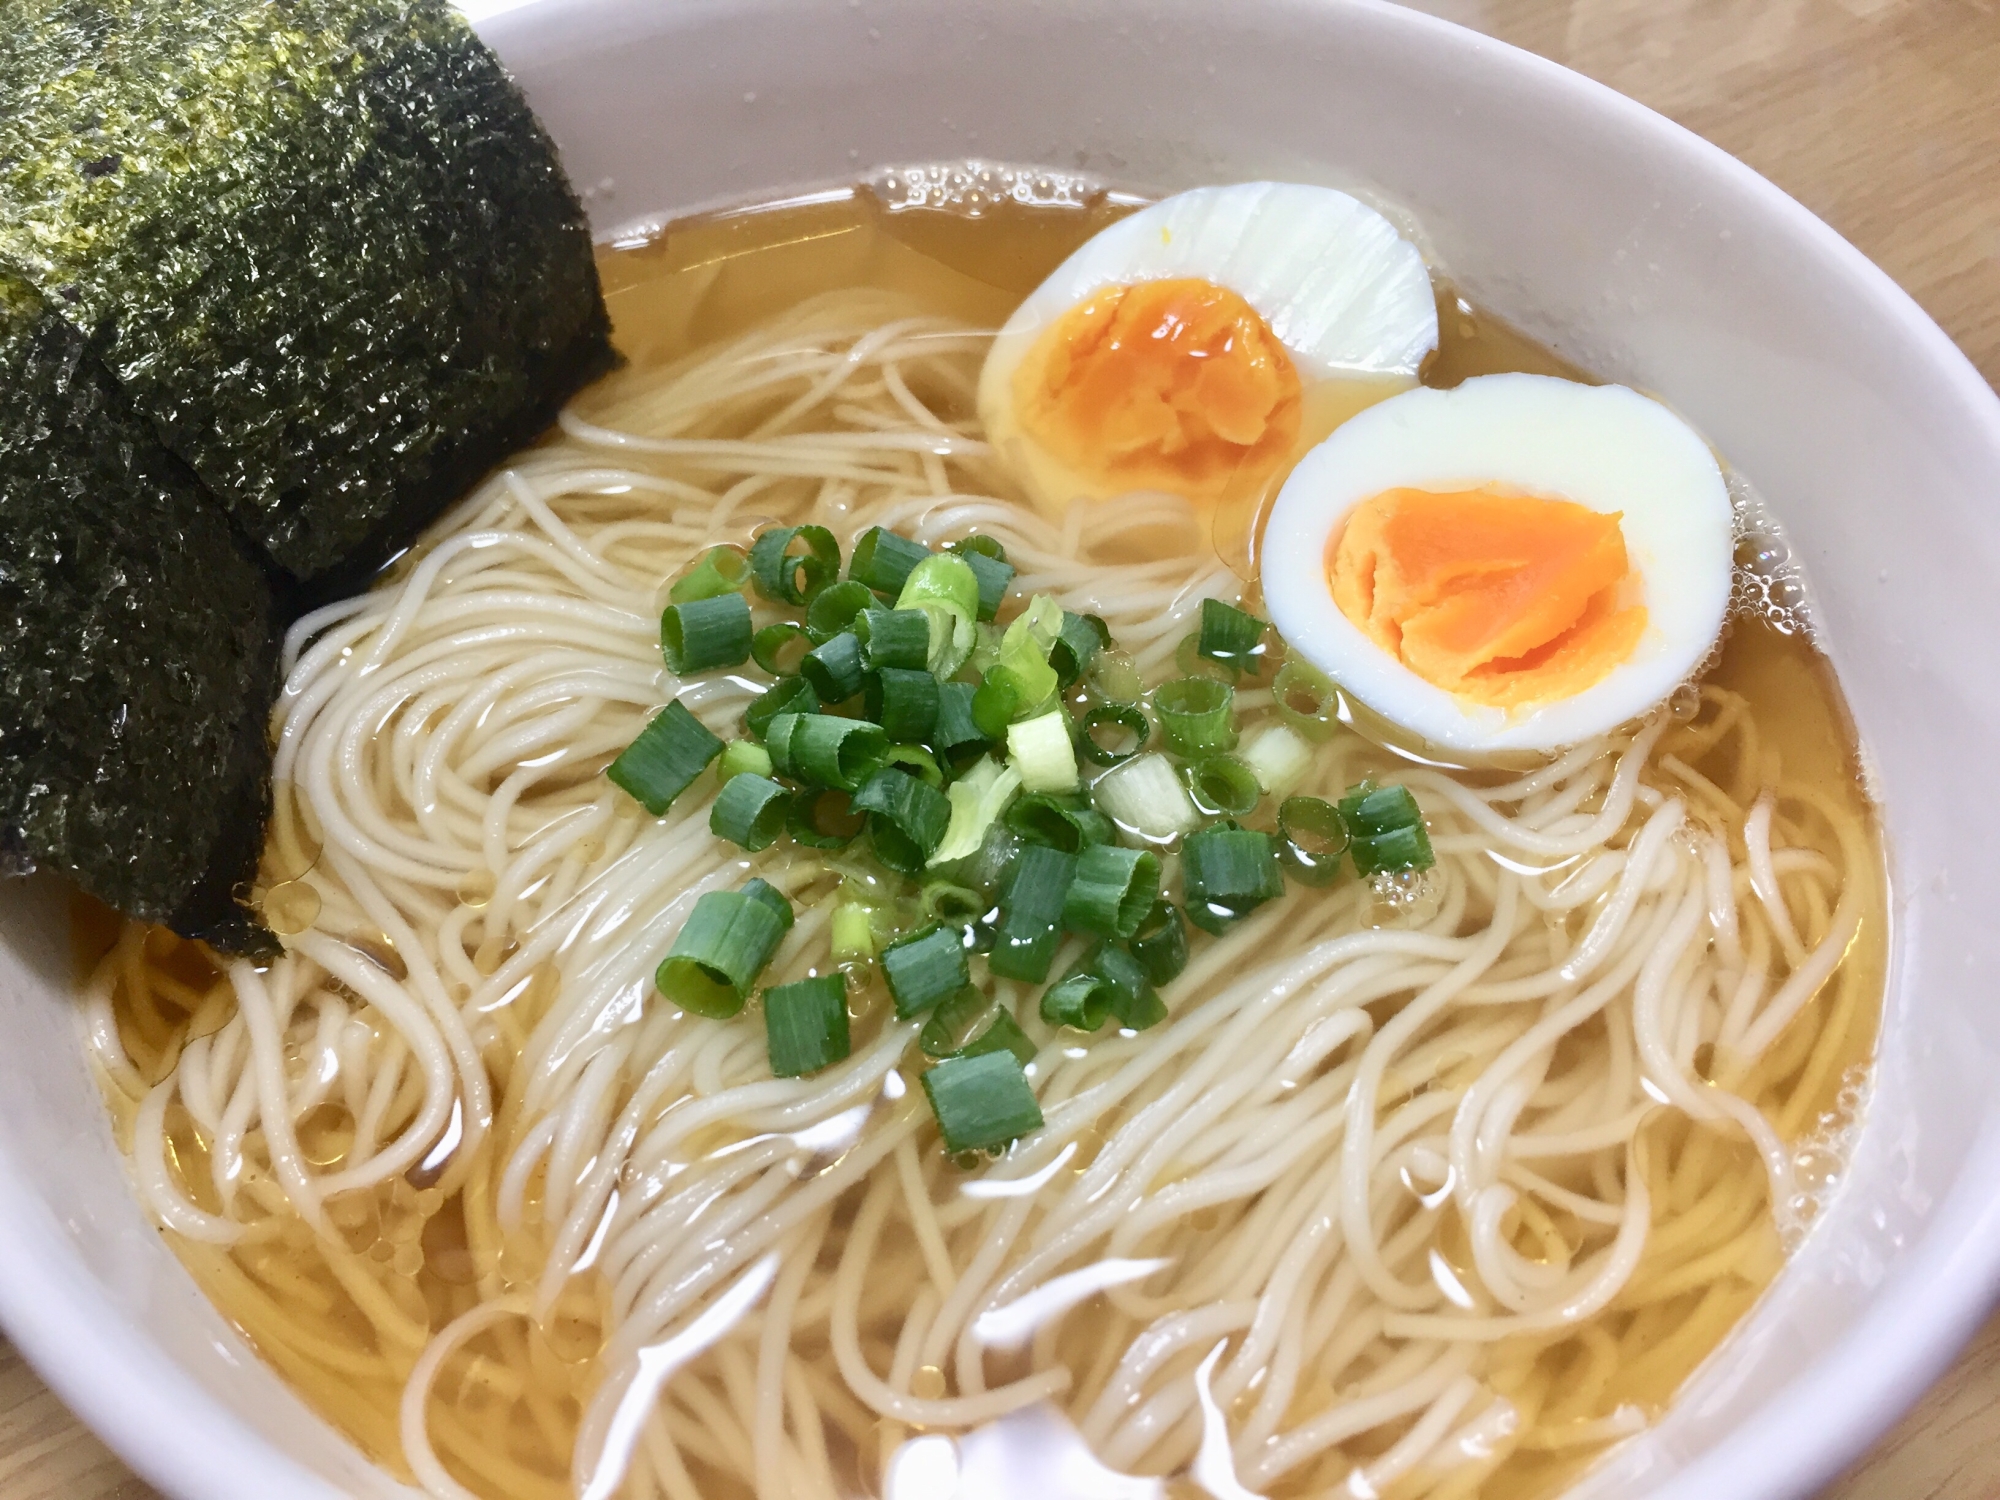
{"points": [[1518, 563], [1203, 344]]}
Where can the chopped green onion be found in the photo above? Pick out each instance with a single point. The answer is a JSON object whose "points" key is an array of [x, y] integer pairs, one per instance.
{"points": [[1189, 662], [751, 811], [739, 756], [771, 647], [835, 668], [1004, 1035], [722, 570], [1113, 674], [1307, 700], [1311, 836], [805, 1025], [705, 633], [836, 607], [1023, 657], [1113, 891], [1001, 697], [942, 581], [903, 702], [722, 948], [1066, 822], [1128, 717], [979, 542], [1076, 646], [1226, 873], [788, 695], [923, 968], [977, 798], [673, 749], [947, 901], [1386, 828], [1279, 758], [918, 761], [994, 575], [825, 750], [954, 1022], [907, 818], [1106, 981], [824, 818], [1145, 796], [895, 638], [1031, 909], [1161, 943], [956, 726], [981, 1102], [883, 560], [852, 933], [790, 577], [1222, 784], [1230, 636], [1041, 750], [1197, 715]]}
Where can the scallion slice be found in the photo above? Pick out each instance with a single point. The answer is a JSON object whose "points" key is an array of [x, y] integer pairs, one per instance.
{"points": [[908, 818], [851, 933], [883, 560], [835, 608], [981, 543], [955, 1022], [956, 727], [903, 702], [751, 811], [1197, 715], [722, 948], [1113, 891], [1311, 836], [1067, 822], [721, 570], [1222, 784], [942, 581], [1041, 749], [1307, 700], [787, 574], [923, 968], [1003, 1034], [1145, 796], [1106, 982], [739, 756], [1230, 636], [670, 752], [1279, 758], [1113, 674], [805, 1025], [788, 695], [977, 798], [835, 668], [778, 648], [994, 574], [895, 638], [1126, 718], [981, 1102], [823, 818], [1000, 698], [1386, 829], [825, 750], [1226, 873], [706, 633], [1161, 943], [1031, 909], [918, 761], [1076, 646], [949, 902]]}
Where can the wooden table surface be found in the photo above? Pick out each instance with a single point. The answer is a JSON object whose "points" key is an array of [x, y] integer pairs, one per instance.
{"points": [[1883, 117]]}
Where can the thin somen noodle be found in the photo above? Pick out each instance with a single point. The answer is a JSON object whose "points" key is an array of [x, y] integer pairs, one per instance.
{"points": [[1438, 1186]]}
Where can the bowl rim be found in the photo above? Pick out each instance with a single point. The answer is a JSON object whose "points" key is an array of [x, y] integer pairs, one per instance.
{"points": [[177, 1434]]}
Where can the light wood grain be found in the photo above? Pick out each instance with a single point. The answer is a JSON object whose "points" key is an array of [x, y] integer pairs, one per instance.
{"points": [[1882, 116]]}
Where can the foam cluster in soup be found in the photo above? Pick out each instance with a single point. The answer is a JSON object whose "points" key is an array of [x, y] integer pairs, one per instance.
{"points": [[1430, 1167]]}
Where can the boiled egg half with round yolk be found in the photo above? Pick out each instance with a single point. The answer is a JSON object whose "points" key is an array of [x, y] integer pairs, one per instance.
{"points": [[1202, 344], [1518, 563]]}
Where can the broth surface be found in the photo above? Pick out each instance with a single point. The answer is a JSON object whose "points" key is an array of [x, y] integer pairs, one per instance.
{"points": [[345, 1313]]}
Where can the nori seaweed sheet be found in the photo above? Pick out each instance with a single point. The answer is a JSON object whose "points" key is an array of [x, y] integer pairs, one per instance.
{"points": [[322, 244], [136, 649]]}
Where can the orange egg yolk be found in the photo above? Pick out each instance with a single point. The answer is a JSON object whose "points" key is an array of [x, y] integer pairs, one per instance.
{"points": [[1169, 385], [1501, 599]]}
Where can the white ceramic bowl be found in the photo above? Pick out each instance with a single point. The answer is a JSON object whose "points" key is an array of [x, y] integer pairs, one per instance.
{"points": [[1636, 249]]}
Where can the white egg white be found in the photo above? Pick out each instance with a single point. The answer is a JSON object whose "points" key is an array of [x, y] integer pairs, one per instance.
{"points": [[1605, 447], [1348, 297]]}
